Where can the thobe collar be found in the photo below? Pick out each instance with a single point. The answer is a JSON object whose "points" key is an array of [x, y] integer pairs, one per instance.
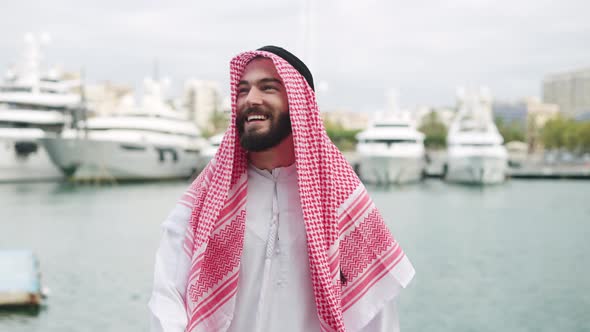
{"points": [[277, 174]]}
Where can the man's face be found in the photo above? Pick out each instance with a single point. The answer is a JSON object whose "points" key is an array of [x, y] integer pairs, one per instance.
{"points": [[262, 107]]}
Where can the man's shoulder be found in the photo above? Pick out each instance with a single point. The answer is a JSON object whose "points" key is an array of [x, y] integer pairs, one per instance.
{"points": [[178, 218]]}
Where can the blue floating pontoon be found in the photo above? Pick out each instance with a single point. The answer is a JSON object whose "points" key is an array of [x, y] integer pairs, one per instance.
{"points": [[20, 282]]}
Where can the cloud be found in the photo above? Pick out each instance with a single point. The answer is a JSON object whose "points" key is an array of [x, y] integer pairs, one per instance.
{"points": [[423, 48]]}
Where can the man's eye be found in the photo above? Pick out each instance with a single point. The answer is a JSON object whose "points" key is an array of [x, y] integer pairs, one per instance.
{"points": [[242, 90], [268, 87]]}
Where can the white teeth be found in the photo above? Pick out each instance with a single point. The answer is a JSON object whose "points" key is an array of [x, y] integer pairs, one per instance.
{"points": [[256, 117]]}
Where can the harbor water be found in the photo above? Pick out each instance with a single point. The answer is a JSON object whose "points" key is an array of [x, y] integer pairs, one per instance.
{"points": [[513, 257]]}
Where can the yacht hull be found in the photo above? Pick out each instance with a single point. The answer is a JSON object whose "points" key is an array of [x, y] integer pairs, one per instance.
{"points": [[26, 160], [390, 169], [94, 160], [476, 169]]}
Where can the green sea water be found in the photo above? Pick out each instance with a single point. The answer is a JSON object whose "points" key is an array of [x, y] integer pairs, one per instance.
{"points": [[514, 257]]}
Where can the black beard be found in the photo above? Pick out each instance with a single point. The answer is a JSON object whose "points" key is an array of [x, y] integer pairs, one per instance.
{"points": [[280, 128]]}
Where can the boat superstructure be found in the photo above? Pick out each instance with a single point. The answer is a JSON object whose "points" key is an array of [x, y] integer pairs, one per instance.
{"points": [[33, 104], [151, 141], [391, 150], [475, 154]]}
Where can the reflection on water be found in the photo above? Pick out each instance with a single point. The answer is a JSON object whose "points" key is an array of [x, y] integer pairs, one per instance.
{"points": [[12, 313]]}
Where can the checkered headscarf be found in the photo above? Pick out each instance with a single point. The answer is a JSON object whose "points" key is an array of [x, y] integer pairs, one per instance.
{"points": [[356, 265]]}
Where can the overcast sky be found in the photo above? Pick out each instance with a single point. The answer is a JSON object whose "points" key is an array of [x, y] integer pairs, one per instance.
{"points": [[359, 49]]}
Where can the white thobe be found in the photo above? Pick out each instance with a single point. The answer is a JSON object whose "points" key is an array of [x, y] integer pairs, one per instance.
{"points": [[275, 292]]}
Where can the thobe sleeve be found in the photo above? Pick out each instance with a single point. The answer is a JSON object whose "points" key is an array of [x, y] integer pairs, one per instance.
{"points": [[385, 321], [167, 309]]}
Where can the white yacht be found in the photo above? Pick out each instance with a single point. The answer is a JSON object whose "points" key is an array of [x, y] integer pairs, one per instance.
{"points": [[210, 149], [475, 154], [151, 142], [33, 105], [391, 150]]}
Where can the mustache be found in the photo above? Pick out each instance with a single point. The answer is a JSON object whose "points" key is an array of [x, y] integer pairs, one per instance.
{"points": [[250, 111], [242, 116]]}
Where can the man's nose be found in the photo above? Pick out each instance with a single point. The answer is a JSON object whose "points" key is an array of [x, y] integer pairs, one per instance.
{"points": [[254, 97]]}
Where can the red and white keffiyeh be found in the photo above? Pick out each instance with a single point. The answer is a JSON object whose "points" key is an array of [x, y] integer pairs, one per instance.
{"points": [[356, 265]]}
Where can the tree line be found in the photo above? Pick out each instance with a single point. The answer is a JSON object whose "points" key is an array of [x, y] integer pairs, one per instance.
{"points": [[565, 133], [558, 133]]}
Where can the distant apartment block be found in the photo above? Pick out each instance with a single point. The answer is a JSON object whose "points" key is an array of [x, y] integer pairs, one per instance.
{"points": [[510, 112], [538, 114], [347, 119], [105, 98], [202, 99], [530, 114], [569, 90]]}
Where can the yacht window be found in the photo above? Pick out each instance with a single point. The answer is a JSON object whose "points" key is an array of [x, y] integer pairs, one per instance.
{"points": [[163, 151], [48, 91], [132, 147], [389, 141], [56, 128], [161, 155], [34, 107], [6, 125], [477, 144], [146, 130], [15, 89], [21, 125], [24, 149]]}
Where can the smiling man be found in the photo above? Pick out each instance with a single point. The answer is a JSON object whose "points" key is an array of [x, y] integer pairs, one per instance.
{"points": [[277, 233], [263, 120]]}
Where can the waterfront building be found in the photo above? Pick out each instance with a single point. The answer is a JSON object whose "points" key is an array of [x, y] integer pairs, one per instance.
{"points": [[538, 113], [510, 112], [347, 119], [570, 90], [104, 99], [530, 115], [202, 99]]}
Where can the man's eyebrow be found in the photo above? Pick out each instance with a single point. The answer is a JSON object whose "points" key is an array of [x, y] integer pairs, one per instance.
{"points": [[264, 80], [271, 80]]}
